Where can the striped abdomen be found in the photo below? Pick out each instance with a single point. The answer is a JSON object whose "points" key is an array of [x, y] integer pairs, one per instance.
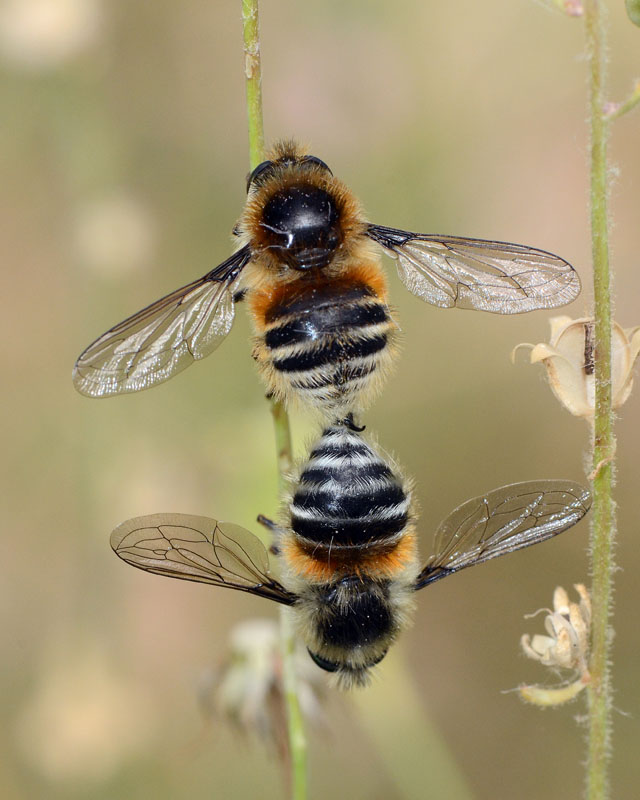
{"points": [[349, 552], [349, 512], [326, 344]]}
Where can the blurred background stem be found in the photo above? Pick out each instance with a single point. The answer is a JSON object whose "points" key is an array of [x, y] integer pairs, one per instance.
{"points": [[603, 519], [284, 450]]}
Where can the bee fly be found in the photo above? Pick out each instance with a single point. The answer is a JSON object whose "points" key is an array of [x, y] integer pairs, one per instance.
{"points": [[308, 263], [347, 548]]}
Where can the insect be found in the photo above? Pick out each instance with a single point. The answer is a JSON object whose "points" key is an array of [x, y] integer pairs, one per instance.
{"points": [[308, 264], [347, 548]]}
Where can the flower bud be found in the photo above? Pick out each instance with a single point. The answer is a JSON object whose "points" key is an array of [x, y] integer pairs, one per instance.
{"points": [[572, 8]]}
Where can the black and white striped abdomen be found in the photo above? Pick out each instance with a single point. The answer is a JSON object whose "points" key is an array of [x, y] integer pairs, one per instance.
{"points": [[348, 496], [328, 347]]}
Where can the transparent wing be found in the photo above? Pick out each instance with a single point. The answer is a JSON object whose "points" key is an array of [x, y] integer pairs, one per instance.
{"points": [[499, 277], [199, 549], [502, 521], [165, 337]]}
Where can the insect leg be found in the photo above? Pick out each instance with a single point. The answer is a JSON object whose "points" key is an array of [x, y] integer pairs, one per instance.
{"points": [[349, 422], [274, 528]]}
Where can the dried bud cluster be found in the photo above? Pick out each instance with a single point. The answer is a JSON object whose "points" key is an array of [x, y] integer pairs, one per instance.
{"points": [[567, 644], [249, 690]]}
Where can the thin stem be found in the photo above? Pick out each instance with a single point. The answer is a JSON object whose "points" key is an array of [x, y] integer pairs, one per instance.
{"points": [[284, 446], [603, 518], [284, 449], [295, 720], [253, 80]]}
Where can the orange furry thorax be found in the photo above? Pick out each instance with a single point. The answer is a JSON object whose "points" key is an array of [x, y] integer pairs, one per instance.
{"points": [[378, 563], [274, 293]]}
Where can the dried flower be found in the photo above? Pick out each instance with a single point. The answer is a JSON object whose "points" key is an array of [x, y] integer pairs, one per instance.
{"points": [[566, 646], [248, 689], [569, 359]]}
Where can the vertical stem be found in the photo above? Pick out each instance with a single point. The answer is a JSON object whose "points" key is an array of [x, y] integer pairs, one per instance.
{"points": [[253, 80], [603, 519], [284, 450], [295, 720], [284, 447]]}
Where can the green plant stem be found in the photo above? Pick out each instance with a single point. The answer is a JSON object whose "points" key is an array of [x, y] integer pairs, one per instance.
{"points": [[284, 450], [284, 447], [253, 80], [603, 519]]}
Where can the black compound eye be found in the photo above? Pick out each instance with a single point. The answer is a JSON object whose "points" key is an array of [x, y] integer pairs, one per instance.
{"points": [[258, 171], [323, 663], [315, 160]]}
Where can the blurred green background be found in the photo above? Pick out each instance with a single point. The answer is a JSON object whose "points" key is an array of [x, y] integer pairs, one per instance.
{"points": [[123, 149]]}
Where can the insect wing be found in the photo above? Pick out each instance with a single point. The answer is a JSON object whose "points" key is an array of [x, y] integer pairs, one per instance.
{"points": [[498, 277], [198, 549], [164, 338], [502, 521]]}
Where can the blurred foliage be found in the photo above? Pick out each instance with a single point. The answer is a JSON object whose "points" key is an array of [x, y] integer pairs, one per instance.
{"points": [[123, 151]]}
